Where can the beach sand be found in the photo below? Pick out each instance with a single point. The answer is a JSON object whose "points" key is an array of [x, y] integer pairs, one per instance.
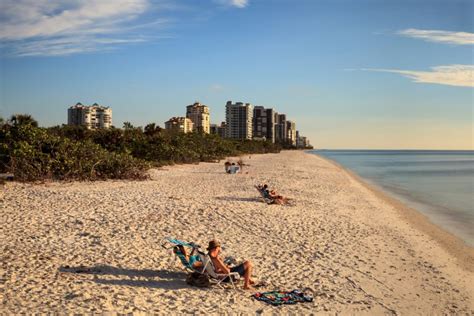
{"points": [[348, 245]]}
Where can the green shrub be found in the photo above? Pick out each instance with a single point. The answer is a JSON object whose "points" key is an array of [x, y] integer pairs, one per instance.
{"points": [[74, 153], [31, 154]]}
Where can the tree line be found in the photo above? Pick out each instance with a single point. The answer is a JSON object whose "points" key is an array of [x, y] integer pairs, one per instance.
{"points": [[33, 153]]}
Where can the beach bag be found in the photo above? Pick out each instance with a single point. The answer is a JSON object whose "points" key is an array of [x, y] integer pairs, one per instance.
{"points": [[198, 279]]}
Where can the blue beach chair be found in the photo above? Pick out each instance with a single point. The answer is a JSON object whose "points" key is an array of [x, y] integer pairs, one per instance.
{"points": [[265, 195], [176, 245], [206, 268]]}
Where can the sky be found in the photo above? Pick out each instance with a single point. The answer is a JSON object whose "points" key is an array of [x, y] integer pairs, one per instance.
{"points": [[366, 74]]}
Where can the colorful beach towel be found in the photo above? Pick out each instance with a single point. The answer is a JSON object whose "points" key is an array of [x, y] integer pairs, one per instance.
{"points": [[277, 298]]}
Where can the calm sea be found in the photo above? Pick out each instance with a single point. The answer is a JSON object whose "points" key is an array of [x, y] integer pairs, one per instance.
{"points": [[439, 184]]}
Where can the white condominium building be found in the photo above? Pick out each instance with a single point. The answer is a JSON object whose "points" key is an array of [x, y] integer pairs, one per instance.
{"points": [[199, 114], [239, 117], [179, 124], [92, 117]]}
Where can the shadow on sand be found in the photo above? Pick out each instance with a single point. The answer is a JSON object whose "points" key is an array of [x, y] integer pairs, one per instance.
{"points": [[135, 277]]}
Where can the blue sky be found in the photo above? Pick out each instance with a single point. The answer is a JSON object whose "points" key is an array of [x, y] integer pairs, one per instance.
{"points": [[351, 74]]}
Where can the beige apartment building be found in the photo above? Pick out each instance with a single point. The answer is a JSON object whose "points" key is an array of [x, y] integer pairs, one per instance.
{"points": [[92, 117], [291, 132], [179, 124], [199, 114]]}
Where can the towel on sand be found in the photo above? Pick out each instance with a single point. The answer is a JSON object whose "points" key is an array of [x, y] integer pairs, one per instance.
{"points": [[277, 298]]}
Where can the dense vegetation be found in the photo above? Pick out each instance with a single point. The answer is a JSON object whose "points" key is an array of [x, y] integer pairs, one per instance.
{"points": [[34, 153]]}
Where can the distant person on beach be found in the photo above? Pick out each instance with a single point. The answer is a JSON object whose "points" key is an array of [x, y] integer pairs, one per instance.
{"points": [[244, 269], [264, 189], [233, 168], [279, 199], [227, 165]]}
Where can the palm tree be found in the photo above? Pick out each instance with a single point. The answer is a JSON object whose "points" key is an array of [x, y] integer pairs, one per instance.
{"points": [[23, 119], [152, 129], [127, 125]]}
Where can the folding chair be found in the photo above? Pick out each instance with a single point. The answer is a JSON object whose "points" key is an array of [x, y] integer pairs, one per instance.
{"points": [[175, 243], [207, 266], [264, 195], [217, 278]]}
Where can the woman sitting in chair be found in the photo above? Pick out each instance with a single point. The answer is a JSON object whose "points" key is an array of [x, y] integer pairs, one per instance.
{"points": [[244, 269]]}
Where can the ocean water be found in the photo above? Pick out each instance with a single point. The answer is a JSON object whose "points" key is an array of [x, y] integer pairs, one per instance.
{"points": [[440, 184]]}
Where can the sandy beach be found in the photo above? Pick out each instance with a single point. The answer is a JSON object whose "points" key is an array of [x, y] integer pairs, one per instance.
{"points": [[349, 246]]}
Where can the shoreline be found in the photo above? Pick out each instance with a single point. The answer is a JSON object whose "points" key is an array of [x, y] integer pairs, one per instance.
{"points": [[453, 244]]}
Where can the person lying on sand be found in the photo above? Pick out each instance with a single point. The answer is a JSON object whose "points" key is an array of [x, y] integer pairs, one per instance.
{"points": [[243, 269]]}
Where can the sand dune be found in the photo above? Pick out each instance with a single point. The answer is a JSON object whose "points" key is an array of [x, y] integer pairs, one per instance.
{"points": [[95, 247]]}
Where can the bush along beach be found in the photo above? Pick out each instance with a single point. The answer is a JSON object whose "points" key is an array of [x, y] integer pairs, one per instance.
{"points": [[33, 153]]}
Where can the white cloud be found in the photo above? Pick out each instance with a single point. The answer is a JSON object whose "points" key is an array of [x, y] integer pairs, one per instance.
{"points": [[458, 38], [233, 3], [216, 87], [452, 75], [63, 27]]}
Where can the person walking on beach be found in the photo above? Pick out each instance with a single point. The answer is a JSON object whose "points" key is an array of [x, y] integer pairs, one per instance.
{"points": [[244, 269]]}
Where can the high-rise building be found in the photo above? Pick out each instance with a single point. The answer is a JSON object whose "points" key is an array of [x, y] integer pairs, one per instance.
{"points": [[301, 141], [92, 117], [264, 123], [219, 130], [291, 132], [179, 124], [280, 128], [199, 114], [238, 117]]}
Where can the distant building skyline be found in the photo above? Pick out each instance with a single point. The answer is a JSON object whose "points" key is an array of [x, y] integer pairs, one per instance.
{"points": [[301, 141], [243, 121]]}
